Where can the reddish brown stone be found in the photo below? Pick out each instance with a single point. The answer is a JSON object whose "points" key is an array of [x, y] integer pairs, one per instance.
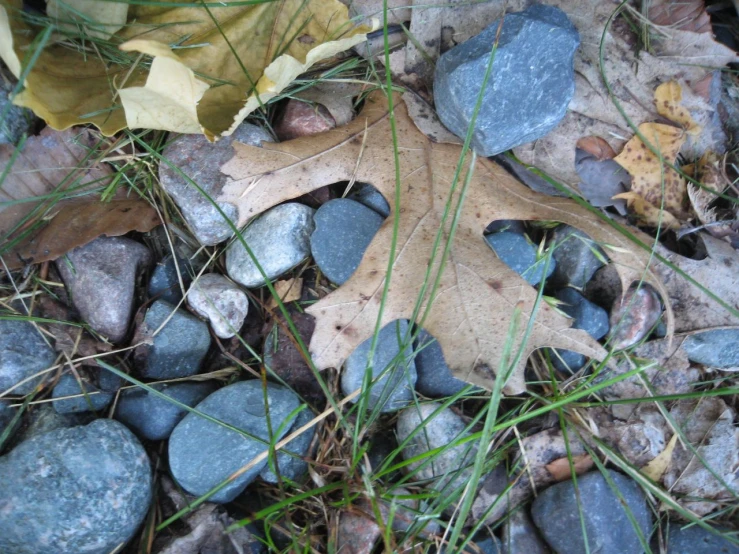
{"points": [[633, 316], [357, 534], [301, 119]]}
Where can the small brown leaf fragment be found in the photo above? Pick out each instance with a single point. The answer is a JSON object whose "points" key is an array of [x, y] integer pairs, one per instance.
{"points": [[596, 147], [561, 469], [288, 290], [686, 15]]}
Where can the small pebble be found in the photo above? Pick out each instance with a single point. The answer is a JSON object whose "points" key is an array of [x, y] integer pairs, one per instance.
{"points": [[100, 387], [567, 362], [153, 418], [292, 467], [165, 279], [435, 379], [303, 119], [344, 230], [279, 239], [215, 298], [587, 316], [179, 348], [203, 454], [718, 348], [576, 262], [696, 540], [520, 535], [371, 197], [557, 514], [100, 278], [520, 255], [633, 316], [356, 534], [396, 384], [83, 489], [23, 353]]}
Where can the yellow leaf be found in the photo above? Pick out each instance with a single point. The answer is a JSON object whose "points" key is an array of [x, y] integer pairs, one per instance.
{"points": [[667, 99], [647, 213], [657, 467], [98, 18]]}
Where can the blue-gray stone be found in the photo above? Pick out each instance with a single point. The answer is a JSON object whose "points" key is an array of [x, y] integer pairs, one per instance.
{"points": [[510, 225], [293, 467], [520, 535], [15, 121], [6, 417], [530, 87], [100, 390], [344, 230], [696, 540], [520, 255], [394, 375], [718, 348], [165, 283], [587, 316], [567, 361], [371, 197], [153, 418], [435, 379], [84, 489], [485, 543], [608, 524], [574, 253], [23, 353], [203, 454], [279, 239], [180, 346]]}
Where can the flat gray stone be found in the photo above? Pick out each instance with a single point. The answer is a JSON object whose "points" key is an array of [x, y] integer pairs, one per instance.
{"points": [[100, 386], [520, 255], [587, 316], [435, 379], [567, 361], [202, 454], [576, 261], [23, 353], [520, 535], [392, 389], [368, 195], [85, 489], [718, 348], [165, 281], [279, 239], [153, 418], [530, 87], [344, 230], [696, 540], [179, 348], [557, 514], [223, 304], [201, 160], [293, 467], [100, 278]]}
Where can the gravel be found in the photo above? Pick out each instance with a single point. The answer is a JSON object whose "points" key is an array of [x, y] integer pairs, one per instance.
{"points": [[223, 304]]}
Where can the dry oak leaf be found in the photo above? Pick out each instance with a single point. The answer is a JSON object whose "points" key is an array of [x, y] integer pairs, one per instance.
{"points": [[478, 294]]}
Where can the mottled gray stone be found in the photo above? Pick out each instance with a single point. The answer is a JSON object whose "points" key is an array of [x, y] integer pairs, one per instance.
{"points": [[153, 418], [344, 230], [576, 262], [165, 283], [718, 348], [6, 416], [557, 514], [371, 197], [567, 361], [179, 348], [450, 468], [100, 387], [202, 454], [587, 316], [100, 278], [201, 161], [23, 353], [279, 239], [435, 379], [520, 535], [485, 543], [84, 489], [14, 121], [223, 304], [530, 87], [696, 540], [292, 467], [520, 255], [394, 387], [43, 418]]}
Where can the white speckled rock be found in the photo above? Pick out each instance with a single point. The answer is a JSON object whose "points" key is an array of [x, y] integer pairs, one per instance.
{"points": [[215, 298]]}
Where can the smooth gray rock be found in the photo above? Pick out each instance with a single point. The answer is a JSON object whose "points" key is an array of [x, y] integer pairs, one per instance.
{"points": [[165, 283], [14, 120], [100, 387], [368, 195], [100, 278], [435, 379], [153, 418], [85, 489], [530, 87], [42, 419], [485, 543], [587, 316], [520, 255], [557, 514], [6, 416], [223, 304], [202, 454], [520, 535], [576, 262], [344, 230], [279, 239], [567, 361], [394, 387], [291, 467], [179, 348], [450, 468], [696, 540], [201, 161], [718, 348], [23, 353]]}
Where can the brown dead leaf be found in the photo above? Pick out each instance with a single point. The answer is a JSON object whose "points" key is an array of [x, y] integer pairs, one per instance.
{"points": [[477, 291], [288, 290], [597, 147], [561, 468], [98, 18], [687, 15], [702, 198]]}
